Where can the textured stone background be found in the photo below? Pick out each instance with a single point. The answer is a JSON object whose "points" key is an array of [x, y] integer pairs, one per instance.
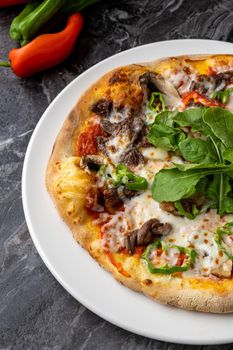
{"points": [[35, 311]]}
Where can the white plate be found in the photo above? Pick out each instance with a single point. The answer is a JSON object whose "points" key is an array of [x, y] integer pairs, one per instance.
{"points": [[78, 273]]}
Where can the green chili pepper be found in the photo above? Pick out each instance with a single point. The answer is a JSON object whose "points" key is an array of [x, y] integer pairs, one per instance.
{"points": [[167, 269], [77, 5], [225, 230], [130, 180], [223, 96], [14, 28], [30, 24], [156, 103]]}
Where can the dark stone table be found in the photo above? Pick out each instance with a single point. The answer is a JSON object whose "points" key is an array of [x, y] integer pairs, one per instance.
{"points": [[35, 311]]}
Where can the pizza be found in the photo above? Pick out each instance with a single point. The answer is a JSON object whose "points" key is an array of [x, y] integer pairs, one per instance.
{"points": [[142, 173]]}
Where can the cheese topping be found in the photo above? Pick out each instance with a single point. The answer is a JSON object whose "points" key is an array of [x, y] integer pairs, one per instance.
{"points": [[198, 233]]}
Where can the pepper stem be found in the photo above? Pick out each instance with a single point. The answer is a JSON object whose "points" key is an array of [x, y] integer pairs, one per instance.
{"points": [[5, 64]]}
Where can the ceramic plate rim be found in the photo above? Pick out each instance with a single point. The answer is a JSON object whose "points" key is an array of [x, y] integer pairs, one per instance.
{"points": [[164, 46]]}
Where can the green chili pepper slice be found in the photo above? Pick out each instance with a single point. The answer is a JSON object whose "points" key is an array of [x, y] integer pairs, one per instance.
{"points": [[14, 28], [156, 102], [30, 24], [77, 5], [223, 96], [168, 269], [130, 180], [225, 230], [156, 105]]}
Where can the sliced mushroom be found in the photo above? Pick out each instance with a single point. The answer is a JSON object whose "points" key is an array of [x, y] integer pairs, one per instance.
{"points": [[154, 82], [169, 207], [126, 194], [145, 234], [91, 163]]}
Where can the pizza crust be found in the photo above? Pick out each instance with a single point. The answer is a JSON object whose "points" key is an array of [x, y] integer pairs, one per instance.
{"points": [[200, 294]]}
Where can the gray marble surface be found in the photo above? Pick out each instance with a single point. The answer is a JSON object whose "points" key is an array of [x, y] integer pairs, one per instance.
{"points": [[35, 311]]}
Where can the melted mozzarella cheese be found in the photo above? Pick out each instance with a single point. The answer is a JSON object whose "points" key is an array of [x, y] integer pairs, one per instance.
{"points": [[117, 116], [209, 258], [181, 80], [197, 233], [116, 146], [153, 153]]}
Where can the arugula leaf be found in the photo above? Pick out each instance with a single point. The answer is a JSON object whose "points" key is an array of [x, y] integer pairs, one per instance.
{"points": [[207, 157], [210, 167], [171, 185], [218, 190], [165, 137], [190, 215], [227, 205], [194, 118], [221, 123], [222, 96], [166, 118], [197, 151], [227, 154]]}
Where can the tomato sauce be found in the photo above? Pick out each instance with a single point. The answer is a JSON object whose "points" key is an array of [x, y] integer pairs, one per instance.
{"points": [[87, 143]]}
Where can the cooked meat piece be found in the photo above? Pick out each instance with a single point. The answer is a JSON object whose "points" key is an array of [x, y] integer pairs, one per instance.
{"points": [[108, 127], [136, 125], [102, 107], [169, 207], [141, 140], [132, 157], [101, 140], [91, 163], [112, 201], [224, 77], [94, 200], [145, 234], [203, 84], [187, 204]]}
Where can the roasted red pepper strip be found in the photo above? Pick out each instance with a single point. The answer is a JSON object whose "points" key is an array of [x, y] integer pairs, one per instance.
{"points": [[117, 264], [46, 50], [5, 3], [197, 98]]}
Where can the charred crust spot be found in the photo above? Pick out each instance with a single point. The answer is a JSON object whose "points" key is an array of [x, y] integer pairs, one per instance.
{"points": [[118, 77], [147, 282], [102, 107]]}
